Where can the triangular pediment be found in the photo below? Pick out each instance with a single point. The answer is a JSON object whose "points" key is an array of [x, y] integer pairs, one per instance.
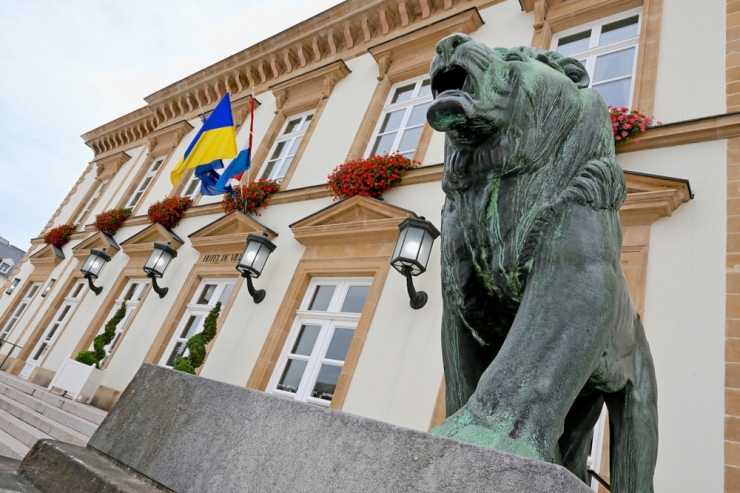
{"points": [[49, 255], [142, 243], [228, 233], [355, 220], [98, 241]]}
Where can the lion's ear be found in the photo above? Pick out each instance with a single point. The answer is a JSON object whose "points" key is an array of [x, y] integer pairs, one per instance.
{"points": [[575, 72]]}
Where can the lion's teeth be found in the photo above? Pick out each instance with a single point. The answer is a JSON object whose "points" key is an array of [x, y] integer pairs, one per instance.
{"points": [[466, 84]]}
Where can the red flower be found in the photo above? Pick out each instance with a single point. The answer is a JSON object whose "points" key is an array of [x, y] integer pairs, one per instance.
{"points": [[250, 198], [369, 177], [108, 222], [59, 236], [628, 124], [169, 211]]}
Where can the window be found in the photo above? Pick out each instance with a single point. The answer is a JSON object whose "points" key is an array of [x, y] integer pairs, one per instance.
{"points": [[90, 202], [208, 293], [145, 182], [317, 346], [4, 267], [61, 317], [608, 50], [20, 309], [286, 146], [132, 293], [192, 188], [403, 117]]}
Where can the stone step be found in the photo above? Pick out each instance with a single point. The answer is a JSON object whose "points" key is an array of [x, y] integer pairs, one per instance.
{"points": [[11, 481], [59, 415], [20, 430], [89, 413], [55, 467], [42, 422], [10, 447]]}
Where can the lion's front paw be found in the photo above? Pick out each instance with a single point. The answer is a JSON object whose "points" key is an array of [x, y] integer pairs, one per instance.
{"points": [[461, 426]]}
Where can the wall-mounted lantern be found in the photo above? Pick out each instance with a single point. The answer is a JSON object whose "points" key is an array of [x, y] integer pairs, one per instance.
{"points": [[252, 261], [93, 266], [157, 264], [12, 286], [48, 286], [412, 252]]}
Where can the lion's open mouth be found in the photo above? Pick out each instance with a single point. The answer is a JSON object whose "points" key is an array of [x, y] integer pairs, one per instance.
{"points": [[454, 78]]}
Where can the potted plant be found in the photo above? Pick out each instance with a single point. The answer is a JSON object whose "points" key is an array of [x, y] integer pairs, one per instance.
{"points": [[628, 124], [109, 221], [370, 176], [197, 344], [80, 377], [250, 198], [169, 211], [59, 236]]}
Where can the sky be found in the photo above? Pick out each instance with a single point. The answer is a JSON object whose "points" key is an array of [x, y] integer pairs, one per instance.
{"points": [[69, 66]]}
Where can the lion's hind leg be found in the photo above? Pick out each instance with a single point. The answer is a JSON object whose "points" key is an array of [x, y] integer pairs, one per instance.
{"points": [[633, 420], [575, 442]]}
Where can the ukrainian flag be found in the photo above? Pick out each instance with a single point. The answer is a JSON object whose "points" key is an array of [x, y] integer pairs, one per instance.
{"points": [[216, 139]]}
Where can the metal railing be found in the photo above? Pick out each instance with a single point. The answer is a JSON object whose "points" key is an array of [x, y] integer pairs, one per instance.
{"points": [[2, 341], [594, 475]]}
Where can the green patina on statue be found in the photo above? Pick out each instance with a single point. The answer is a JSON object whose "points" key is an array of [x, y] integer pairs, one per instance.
{"points": [[538, 327]]}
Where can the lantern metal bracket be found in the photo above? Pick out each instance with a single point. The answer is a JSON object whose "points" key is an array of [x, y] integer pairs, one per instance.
{"points": [[417, 299], [95, 289], [162, 292], [257, 295]]}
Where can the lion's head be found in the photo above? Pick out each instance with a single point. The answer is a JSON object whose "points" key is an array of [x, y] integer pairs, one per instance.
{"points": [[519, 111]]}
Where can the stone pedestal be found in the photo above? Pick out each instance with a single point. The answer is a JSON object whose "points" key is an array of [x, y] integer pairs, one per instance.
{"points": [[192, 434]]}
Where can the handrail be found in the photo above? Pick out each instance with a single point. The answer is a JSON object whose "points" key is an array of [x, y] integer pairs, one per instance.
{"points": [[602, 481], [3, 341]]}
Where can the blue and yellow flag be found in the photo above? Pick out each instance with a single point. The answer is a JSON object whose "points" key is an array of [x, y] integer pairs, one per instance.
{"points": [[216, 139]]}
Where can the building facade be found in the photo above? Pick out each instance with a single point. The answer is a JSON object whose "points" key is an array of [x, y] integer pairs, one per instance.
{"points": [[335, 327], [10, 256]]}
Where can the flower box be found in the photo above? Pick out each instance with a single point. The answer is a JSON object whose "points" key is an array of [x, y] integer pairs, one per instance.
{"points": [[169, 211], [250, 198], [59, 236], [77, 381], [370, 176]]}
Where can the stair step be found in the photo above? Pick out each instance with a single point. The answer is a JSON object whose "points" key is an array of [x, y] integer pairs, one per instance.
{"points": [[59, 415], [43, 422], [20, 430], [89, 413], [10, 447]]}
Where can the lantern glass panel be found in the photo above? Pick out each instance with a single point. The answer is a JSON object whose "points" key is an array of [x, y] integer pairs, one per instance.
{"points": [[152, 260], [412, 244], [249, 255], [399, 244], [426, 249], [260, 259], [88, 263], [163, 262], [13, 285]]}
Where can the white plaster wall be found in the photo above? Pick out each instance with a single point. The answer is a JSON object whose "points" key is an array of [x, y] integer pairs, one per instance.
{"points": [[338, 124], [153, 310], [65, 216], [242, 335], [400, 368], [506, 25], [691, 64], [685, 316]]}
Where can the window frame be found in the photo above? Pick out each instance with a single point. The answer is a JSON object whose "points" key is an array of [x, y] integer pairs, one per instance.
{"points": [[142, 188], [136, 297], [280, 162], [407, 105], [72, 300], [193, 181], [196, 309], [595, 50], [329, 321], [90, 203], [20, 309], [5, 267]]}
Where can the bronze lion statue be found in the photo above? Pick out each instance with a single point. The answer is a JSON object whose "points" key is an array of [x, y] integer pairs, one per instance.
{"points": [[538, 328]]}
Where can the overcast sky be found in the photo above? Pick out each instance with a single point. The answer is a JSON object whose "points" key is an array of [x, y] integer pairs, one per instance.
{"points": [[69, 66]]}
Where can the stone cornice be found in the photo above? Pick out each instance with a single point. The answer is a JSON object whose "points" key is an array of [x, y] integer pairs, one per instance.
{"points": [[342, 32], [107, 166]]}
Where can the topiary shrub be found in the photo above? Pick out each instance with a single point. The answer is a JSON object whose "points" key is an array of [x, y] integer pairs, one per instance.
{"points": [[95, 356], [197, 344]]}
